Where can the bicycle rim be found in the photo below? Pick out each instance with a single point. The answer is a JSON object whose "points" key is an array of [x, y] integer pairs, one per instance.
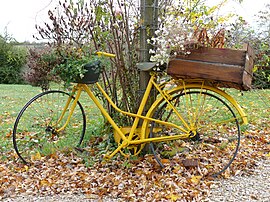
{"points": [[35, 132], [214, 139]]}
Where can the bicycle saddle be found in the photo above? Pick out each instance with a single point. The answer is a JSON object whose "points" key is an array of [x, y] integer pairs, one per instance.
{"points": [[146, 66]]}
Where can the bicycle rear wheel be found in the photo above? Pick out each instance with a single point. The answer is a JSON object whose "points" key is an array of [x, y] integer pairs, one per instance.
{"points": [[214, 132], [35, 132]]}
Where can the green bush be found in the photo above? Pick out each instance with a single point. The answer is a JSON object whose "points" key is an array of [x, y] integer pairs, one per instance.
{"points": [[12, 60], [262, 79]]}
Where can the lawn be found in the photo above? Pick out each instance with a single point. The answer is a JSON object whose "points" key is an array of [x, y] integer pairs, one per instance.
{"points": [[12, 98]]}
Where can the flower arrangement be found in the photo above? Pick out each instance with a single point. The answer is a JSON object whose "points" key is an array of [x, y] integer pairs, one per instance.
{"points": [[184, 28], [170, 39]]}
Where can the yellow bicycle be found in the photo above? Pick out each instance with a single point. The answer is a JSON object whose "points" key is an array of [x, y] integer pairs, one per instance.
{"points": [[189, 120]]}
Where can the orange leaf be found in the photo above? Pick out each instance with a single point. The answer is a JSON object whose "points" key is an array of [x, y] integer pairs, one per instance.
{"points": [[164, 161], [9, 134], [45, 183]]}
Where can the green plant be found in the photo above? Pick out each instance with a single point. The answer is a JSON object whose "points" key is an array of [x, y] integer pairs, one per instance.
{"points": [[12, 61], [241, 32], [110, 26], [72, 69], [262, 78]]}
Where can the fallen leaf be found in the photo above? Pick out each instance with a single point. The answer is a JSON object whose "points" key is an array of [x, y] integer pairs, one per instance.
{"points": [[195, 179], [36, 156], [165, 161], [173, 197], [188, 163], [9, 134], [26, 168]]}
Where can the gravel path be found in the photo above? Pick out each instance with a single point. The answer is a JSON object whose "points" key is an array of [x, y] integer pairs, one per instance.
{"points": [[55, 198], [252, 188], [255, 187]]}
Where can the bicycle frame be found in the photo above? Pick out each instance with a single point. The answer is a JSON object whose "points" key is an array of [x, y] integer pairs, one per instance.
{"points": [[188, 131], [127, 140]]}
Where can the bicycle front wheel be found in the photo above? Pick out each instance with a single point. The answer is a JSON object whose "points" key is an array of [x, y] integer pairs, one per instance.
{"points": [[214, 132], [36, 129]]}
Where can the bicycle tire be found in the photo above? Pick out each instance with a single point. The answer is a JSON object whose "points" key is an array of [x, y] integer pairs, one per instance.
{"points": [[34, 134], [217, 139]]}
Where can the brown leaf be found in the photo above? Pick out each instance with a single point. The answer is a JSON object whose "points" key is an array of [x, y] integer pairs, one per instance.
{"points": [[190, 163], [9, 134]]}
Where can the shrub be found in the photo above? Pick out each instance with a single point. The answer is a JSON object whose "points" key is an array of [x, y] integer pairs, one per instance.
{"points": [[262, 78], [12, 60], [40, 63]]}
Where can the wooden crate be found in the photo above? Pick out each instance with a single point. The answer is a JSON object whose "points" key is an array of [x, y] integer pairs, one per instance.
{"points": [[227, 67]]}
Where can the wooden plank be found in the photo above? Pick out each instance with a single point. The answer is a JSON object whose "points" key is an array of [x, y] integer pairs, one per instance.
{"points": [[217, 55], [247, 81], [205, 70], [248, 69]]}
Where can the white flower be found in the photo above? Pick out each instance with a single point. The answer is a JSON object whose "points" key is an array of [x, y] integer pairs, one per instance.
{"points": [[151, 51], [157, 32], [171, 37]]}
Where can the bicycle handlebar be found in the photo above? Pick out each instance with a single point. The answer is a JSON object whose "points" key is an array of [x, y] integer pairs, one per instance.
{"points": [[99, 53]]}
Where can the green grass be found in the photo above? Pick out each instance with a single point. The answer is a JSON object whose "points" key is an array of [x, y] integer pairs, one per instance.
{"points": [[12, 98], [255, 103]]}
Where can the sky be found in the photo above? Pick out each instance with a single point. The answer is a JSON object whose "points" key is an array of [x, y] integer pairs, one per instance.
{"points": [[19, 17]]}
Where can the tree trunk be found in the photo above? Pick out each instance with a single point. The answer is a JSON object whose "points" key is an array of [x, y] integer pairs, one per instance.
{"points": [[149, 15]]}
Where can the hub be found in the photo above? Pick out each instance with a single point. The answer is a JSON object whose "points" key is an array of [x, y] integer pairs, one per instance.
{"points": [[194, 136]]}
